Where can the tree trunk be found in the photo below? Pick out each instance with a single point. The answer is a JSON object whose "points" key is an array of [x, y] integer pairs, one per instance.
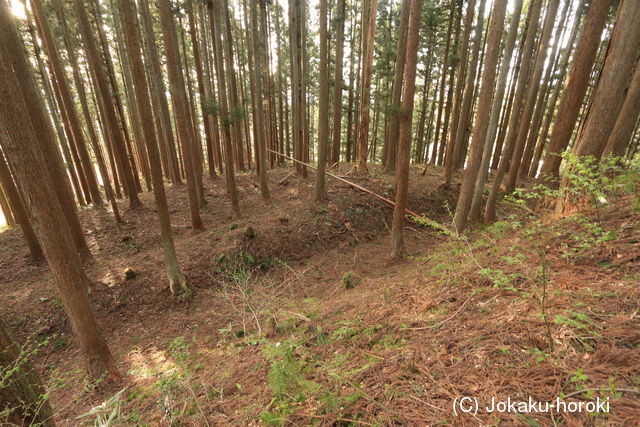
{"points": [[45, 142], [144, 104], [463, 50], [525, 118], [514, 122], [392, 116], [551, 108], [443, 81], [623, 130], [406, 115], [259, 115], [575, 89], [159, 92], [337, 84], [19, 128], [482, 120], [215, 11], [368, 39], [454, 149], [323, 105], [17, 209], [67, 103], [95, 62], [475, 210]]}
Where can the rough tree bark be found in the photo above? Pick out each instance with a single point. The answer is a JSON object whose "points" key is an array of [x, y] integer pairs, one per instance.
{"points": [[18, 131], [574, 91]]}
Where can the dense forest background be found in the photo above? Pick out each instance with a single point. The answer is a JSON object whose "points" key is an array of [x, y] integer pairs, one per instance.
{"points": [[244, 136]]}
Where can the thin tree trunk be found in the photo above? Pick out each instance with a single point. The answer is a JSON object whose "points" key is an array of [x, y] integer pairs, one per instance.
{"points": [[17, 210], [476, 204], [368, 39], [144, 104], [481, 126], [215, 11], [525, 118], [68, 104], [454, 149], [160, 91], [523, 78], [323, 105], [443, 81], [406, 115], [91, 50], [337, 84], [392, 116], [183, 124]]}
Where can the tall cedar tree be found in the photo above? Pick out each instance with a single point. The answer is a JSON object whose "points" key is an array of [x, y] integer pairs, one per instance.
{"points": [[613, 84], [455, 149], [498, 98], [20, 126], [337, 85], [525, 117], [259, 114], [67, 103], [406, 115], [575, 88], [391, 136], [523, 78], [478, 140], [323, 105], [215, 15], [95, 63], [368, 39], [144, 105], [183, 122]]}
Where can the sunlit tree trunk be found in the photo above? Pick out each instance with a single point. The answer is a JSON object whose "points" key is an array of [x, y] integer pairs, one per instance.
{"points": [[20, 126]]}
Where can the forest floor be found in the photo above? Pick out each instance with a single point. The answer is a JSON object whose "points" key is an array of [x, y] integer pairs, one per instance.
{"points": [[299, 316]]}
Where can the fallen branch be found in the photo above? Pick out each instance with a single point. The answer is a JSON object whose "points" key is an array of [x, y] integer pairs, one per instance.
{"points": [[419, 219]]}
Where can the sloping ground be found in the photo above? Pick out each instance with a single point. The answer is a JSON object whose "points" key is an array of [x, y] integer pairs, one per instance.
{"points": [[304, 319]]}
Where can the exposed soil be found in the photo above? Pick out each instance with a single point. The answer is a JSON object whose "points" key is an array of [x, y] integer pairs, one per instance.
{"points": [[299, 316]]}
